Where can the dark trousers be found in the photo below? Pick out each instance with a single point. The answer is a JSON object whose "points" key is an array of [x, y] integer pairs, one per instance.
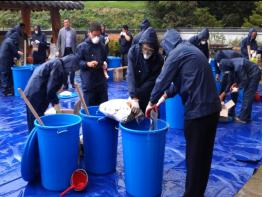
{"points": [[7, 80], [124, 62], [200, 136], [72, 74], [31, 118], [96, 97], [248, 98]]}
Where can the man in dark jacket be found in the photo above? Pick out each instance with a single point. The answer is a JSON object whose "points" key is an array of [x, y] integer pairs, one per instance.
{"points": [[125, 42], [200, 41], [39, 43], [144, 66], [9, 50], [249, 43], [45, 82], [105, 38], [92, 62], [242, 73], [18, 28], [226, 54], [143, 26], [188, 69]]}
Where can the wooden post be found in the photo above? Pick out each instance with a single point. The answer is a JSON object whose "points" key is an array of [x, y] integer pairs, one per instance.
{"points": [[55, 21]]}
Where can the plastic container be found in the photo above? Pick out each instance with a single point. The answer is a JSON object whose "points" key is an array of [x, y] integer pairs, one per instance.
{"points": [[21, 75], [113, 62], [100, 138], [58, 149], [175, 112], [162, 111], [143, 156]]}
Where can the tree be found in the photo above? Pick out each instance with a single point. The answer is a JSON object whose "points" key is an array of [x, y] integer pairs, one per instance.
{"points": [[255, 20], [203, 18]]}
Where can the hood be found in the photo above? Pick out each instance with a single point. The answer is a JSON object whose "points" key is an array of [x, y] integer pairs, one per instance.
{"points": [[71, 62], [145, 24], [218, 56], [251, 30], [226, 64], [150, 37], [204, 34], [170, 40], [39, 29], [15, 37]]}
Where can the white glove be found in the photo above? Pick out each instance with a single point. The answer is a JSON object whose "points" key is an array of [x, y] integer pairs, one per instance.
{"points": [[57, 54], [32, 42], [37, 41], [107, 40], [124, 33], [121, 33], [105, 65], [161, 100], [135, 107]]}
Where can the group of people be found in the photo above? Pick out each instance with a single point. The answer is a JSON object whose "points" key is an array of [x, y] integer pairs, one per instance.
{"points": [[181, 68]]}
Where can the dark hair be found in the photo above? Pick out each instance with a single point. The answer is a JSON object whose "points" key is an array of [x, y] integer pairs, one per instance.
{"points": [[95, 26], [22, 24], [125, 27]]}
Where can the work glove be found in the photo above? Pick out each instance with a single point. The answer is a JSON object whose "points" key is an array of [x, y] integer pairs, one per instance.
{"points": [[122, 33], [160, 101], [217, 77], [57, 108], [135, 107], [37, 41], [148, 110], [107, 40]]}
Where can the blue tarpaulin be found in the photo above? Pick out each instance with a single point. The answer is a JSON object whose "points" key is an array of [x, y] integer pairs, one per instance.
{"points": [[237, 153]]}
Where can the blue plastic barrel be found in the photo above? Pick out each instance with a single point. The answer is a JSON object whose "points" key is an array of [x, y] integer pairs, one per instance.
{"points": [[113, 62], [21, 75], [240, 95], [175, 112], [143, 156], [100, 138], [162, 111], [58, 149]]}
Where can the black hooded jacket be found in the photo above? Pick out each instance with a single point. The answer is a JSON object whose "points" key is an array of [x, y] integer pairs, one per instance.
{"points": [[143, 26], [248, 41]]}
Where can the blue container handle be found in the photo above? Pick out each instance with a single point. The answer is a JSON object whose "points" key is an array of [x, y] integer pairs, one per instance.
{"points": [[62, 130]]}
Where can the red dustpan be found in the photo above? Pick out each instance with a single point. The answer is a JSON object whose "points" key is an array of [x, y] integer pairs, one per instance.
{"points": [[79, 181]]}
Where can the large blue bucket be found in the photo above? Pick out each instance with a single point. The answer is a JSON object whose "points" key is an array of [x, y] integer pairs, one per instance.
{"points": [[162, 112], [240, 95], [58, 149], [100, 138], [113, 62], [21, 75], [175, 112], [143, 155]]}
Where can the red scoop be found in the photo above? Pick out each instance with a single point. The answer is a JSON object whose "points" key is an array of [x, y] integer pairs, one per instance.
{"points": [[79, 181]]}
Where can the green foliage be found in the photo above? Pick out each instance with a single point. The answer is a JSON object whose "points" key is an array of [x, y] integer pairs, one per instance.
{"points": [[254, 20], [203, 18], [9, 19], [114, 48]]}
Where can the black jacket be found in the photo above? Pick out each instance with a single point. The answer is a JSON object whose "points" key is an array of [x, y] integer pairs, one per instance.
{"points": [[248, 41], [143, 26], [124, 44]]}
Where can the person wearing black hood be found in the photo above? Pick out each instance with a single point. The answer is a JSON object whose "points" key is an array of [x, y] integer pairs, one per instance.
{"points": [[249, 43], [143, 26], [105, 38], [45, 82], [144, 66], [93, 57], [192, 77], [200, 41], [18, 28], [8, 52], [39, 43]]}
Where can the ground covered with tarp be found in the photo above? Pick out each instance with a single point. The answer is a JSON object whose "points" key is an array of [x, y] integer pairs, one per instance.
{"points": [[237, 154]]}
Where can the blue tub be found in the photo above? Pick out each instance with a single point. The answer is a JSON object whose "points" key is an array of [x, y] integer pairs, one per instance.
{"points": [[100, 138], [21, 75], [175, 112], [58, 149], [113, 62], [143, 156]]}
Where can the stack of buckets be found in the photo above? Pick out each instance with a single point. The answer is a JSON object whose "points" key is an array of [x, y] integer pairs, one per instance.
{"points": [[113, 62], [143, 150]]}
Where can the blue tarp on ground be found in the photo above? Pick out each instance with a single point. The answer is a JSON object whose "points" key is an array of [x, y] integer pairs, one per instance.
{"points": [[237, 154]]}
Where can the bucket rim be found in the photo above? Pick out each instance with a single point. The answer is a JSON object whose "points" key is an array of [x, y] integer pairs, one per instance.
{"points": [[151, 132], [22, 67], [56, 127], [83, 114]]}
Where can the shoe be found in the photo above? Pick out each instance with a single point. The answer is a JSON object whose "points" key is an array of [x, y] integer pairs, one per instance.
{"points": [[238, 120]]}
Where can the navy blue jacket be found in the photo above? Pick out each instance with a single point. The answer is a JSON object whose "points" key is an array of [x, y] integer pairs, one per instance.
{"points": [[248, 41], [124, 44], [103, 37], [16, 29], [224, 54], [142, 73], [188, 69], [143, 26], [42, 46], [240, 71], [91, 78], [47, 79], [8, 52], [196, 40]]}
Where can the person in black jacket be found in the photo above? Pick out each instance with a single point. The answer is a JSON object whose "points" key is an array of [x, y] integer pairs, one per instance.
{"points": [[200, 41], [18, 28], [125, 42], [143, 26], [249, 43], [144, 66], [46, 81], [187, 67], [93, 57], [8, 53], [39, 42], [105, 38]]}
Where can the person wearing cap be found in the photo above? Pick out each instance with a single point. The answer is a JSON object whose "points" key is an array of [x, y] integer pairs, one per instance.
{"points": [[143, 26], [144, 66], [46, 81], [200, 41], [242, 73], [187, 67], [248, 45], [125, 42]]}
